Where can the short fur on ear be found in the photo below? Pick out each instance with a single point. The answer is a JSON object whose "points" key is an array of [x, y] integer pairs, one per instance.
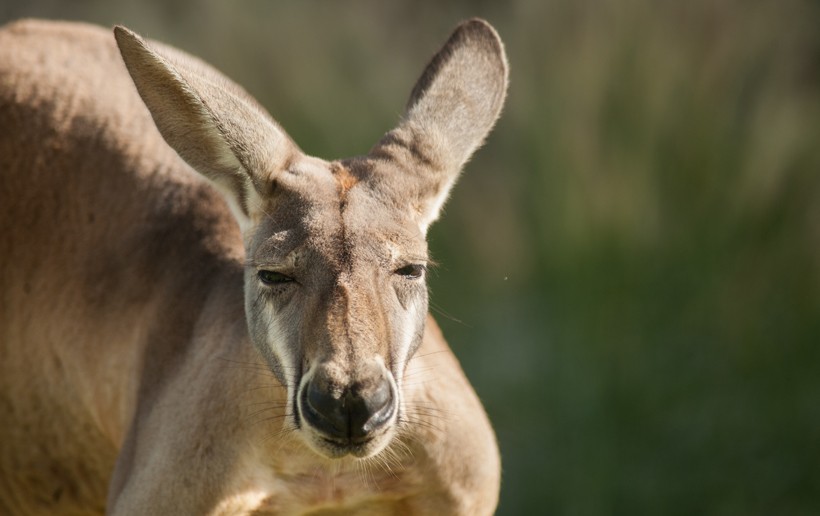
{"points": [[451, 110], [210, 121]]}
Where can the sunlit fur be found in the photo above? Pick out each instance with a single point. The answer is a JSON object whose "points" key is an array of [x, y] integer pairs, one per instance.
{"points": [[147, 368]]}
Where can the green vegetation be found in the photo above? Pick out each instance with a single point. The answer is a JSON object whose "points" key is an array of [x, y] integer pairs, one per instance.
{"points": [[631, 266]]}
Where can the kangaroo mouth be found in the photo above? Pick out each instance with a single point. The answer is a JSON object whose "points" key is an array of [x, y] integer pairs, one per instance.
{"points": [[335, 449]]}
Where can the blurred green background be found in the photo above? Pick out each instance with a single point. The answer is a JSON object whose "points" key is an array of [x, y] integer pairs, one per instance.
{"points": [[630, 266]]}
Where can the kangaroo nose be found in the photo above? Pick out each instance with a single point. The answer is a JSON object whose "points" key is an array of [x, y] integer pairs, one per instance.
{"points": [[350, 416]]}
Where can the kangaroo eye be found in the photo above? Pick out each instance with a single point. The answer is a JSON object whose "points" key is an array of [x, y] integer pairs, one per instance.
{"points": [[273, 278], [412, 271]]}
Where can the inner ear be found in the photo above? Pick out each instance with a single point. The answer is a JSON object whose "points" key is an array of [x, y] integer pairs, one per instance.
{"points": [[460, 94], [210, 121], [451, 110]]}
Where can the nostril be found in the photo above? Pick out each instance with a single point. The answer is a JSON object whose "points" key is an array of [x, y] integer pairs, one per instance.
{"points": [[380, 398], [370, 410], [319, 399], [325, 411]]}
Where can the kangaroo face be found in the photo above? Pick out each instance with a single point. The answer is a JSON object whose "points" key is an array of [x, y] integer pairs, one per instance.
{"points": [[335, 293], [336, 301]]}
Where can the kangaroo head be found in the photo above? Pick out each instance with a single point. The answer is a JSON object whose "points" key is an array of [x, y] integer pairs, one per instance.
{"points": [[335, 287]]}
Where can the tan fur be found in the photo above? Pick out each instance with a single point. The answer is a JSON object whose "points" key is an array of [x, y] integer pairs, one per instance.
{"points": [[147, 369]]}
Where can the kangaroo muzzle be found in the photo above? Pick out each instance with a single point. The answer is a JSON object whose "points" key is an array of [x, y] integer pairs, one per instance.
{"points": [[349, 412]]}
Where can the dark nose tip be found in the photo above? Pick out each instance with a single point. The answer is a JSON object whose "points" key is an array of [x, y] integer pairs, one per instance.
{"points": [[350, 416]]}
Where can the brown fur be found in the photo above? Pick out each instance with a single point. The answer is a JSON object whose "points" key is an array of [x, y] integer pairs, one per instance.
{"points": [[145, 368]]}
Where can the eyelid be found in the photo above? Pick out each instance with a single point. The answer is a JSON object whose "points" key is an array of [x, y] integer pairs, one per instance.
{"points": [[284, 262], [284, 267], [427, 263], [279, 278], [412, 271], [403, 260]]}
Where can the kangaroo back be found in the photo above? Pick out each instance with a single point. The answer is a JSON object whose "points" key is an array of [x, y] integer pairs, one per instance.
{"points": [[101, 223]]}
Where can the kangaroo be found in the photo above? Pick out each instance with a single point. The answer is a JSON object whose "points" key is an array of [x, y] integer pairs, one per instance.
{"points": [[198, 318]]}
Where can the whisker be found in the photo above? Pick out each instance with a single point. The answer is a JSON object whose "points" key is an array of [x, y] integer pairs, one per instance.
{"points": [[439, 310], [260, 387], [418, 371], [429, 353], [418, 422], [401, 449], [381, 462], [428, 413], [361, 468], [276, 404], [278, 434], [269, 419], [258, 363], [262, 411]]}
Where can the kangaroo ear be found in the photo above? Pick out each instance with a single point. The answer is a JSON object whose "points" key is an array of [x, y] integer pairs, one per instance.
{"points": [[211, 122], [452, 108]]}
